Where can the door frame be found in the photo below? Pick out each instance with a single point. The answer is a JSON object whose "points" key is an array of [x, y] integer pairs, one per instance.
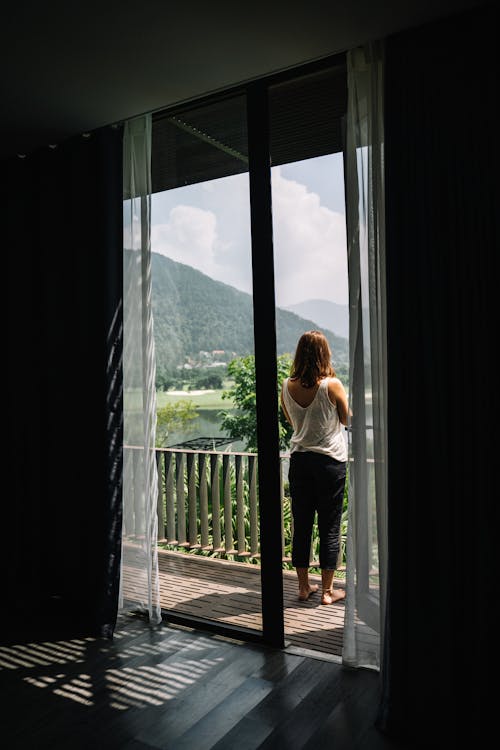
{"points": [[259, 169]]}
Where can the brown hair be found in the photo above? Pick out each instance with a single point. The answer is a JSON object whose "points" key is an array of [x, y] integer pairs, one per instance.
{"points": [[313, 359]]}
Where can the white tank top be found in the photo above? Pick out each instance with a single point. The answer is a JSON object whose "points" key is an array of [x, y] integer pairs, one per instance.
{"points": [[316, 427]]}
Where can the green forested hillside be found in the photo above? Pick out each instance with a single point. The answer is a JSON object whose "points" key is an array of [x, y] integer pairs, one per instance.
{"points": [[194, 313]]}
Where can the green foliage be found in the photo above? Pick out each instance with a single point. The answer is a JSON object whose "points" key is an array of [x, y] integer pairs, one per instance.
{"points": [[208, 379], [199, 378], [166, 380], [242, 425], [285, 428], [342, 372], [173, 416]]}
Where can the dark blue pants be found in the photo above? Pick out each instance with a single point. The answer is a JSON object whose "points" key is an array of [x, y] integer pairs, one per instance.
{"points": [[316, 486]]}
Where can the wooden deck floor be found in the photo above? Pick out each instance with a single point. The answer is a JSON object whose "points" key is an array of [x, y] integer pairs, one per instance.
{"points": [[229, 593]]}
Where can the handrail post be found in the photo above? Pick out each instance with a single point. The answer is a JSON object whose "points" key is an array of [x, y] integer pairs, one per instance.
{"points": [[179, 492], [215, 500], [202, 483], [282, 503], [254, 514], [170, 535], [240, 509], [138, 468], [192, 511], [159, 503], [228, 519]]}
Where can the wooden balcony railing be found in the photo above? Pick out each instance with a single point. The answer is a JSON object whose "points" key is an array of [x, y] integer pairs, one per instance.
{"points": [[208, 500]]}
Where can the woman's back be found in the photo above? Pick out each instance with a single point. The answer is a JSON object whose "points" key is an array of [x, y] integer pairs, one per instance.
{"points": [[315, 419]]}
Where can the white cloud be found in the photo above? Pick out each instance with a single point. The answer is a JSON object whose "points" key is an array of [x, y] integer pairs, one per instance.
{"points": [[189, 236], [309, 245], [207, 226]]}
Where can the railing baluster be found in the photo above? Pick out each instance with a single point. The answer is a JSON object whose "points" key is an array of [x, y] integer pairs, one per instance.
{"points": [[240, 507], [138, 469], [191, 517], [179, 492], [192, 510], [215, 500], [282, 506], [313, 558], [170, 535], [202, 482], [254, 514], [159, 504], [128, 473], [228, 520]]}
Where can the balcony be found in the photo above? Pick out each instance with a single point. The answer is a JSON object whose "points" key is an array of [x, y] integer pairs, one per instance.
{"points": [[208, 547]]}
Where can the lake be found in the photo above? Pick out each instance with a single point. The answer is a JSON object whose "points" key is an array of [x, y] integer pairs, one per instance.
{"points": [[206, 424]]}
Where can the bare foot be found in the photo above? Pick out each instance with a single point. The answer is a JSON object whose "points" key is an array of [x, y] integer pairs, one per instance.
{"points": [[331, 596], [305, 593]]}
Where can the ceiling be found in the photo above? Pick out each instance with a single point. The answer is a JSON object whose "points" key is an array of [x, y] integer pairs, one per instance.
{"points": [[209, 141], [70, 68]]}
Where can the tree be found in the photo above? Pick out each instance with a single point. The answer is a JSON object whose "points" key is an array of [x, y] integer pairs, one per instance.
{"points": [[172, 416], [242, 425], [208, 379]]}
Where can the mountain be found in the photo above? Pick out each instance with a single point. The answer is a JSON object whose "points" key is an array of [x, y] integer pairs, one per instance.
{"points": [[326, 314], [194, 313]]}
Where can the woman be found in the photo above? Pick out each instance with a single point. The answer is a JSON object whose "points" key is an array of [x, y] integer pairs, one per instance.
{"points": [[314, 401]]}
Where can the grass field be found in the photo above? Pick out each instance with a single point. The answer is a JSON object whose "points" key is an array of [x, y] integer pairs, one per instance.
{"points": [[201, 399]]}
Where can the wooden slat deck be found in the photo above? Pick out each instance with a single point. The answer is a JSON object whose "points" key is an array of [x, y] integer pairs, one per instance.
{"points": [[229, 593]]}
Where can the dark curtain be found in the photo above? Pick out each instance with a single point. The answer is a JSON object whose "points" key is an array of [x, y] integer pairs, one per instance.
{"points": [[442, 246], [62, 246]]}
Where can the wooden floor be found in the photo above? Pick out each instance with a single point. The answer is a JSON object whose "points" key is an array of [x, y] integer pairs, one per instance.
{"points": [[173, 687], [229, 593]]}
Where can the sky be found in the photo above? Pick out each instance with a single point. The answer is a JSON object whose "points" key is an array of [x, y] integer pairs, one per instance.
{"points": [[207, 226]]}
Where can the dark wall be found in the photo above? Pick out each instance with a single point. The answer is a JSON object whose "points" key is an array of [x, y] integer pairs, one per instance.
{"points": [[442, 246], [61, 245]]}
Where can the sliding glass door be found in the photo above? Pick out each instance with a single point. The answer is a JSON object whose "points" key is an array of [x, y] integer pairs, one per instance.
{"points": [[221, 331], [207, 444]]}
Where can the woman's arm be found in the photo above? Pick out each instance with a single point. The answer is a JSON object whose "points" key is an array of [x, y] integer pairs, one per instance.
{"points": [[338, 396]]}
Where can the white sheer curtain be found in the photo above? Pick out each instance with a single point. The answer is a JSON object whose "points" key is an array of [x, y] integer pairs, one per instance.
{"points": [[367, 519], [139, 588]]}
